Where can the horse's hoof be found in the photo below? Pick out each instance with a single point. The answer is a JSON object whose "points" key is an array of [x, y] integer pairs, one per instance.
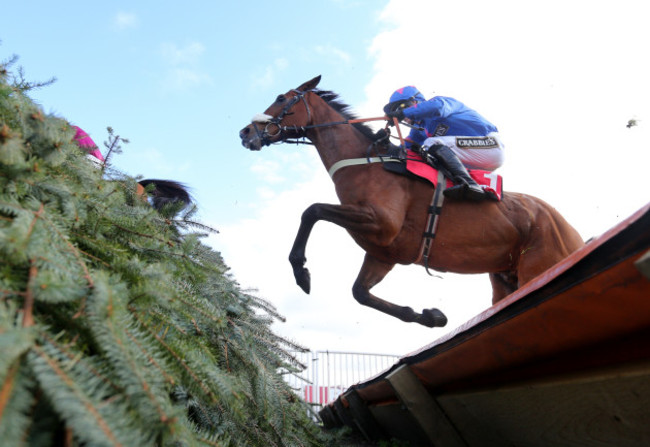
{"points": [[303, 279], [433, 318]]}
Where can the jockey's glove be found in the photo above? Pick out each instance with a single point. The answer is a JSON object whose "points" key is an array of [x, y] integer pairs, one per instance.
{"points": [[397, 113]]}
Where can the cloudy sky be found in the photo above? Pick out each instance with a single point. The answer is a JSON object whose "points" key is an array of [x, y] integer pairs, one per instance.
{"points": [[561, 80]]}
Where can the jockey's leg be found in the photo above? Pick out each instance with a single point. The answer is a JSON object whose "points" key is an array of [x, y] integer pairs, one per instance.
{"points": [[464, 185]]}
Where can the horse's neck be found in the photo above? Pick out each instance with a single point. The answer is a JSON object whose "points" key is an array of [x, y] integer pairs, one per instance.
{"points": [[337, 142]]}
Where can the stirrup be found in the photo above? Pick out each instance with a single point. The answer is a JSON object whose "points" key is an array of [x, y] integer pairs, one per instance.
{"points": [[464, 191]]}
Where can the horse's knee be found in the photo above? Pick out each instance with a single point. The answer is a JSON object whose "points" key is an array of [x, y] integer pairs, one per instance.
{"points": [[361, 293], [310, 214]]}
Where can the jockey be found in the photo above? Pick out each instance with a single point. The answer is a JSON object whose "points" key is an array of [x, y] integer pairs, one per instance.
{"points": [[452, 134]]}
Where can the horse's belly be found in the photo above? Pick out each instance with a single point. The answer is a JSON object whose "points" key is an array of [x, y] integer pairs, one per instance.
{"points": [[470, 258]]}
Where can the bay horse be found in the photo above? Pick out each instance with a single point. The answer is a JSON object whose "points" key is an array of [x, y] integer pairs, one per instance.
{"points": [[513, 240]]}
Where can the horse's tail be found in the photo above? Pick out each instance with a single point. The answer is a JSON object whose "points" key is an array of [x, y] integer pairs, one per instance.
{"points": [[167, 191]]}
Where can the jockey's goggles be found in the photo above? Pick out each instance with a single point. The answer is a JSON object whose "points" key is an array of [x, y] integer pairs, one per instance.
{"points": [[401, 104]]}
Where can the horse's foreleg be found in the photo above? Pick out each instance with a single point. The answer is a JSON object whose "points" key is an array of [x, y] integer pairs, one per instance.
{"points": [[297, 255], [372, 272], [350, 217]]}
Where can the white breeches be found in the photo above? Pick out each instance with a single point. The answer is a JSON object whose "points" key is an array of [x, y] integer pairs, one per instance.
{"points": [[484, 153]]}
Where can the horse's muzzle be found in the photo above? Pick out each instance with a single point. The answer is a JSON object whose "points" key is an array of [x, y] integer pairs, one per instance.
{"points": [[250, 139]]}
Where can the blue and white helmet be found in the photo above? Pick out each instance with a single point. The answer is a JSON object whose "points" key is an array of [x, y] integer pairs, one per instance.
{"points": [[404, 97]]}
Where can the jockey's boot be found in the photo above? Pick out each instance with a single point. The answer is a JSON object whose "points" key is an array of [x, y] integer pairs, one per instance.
{"points": [[464, 188]]}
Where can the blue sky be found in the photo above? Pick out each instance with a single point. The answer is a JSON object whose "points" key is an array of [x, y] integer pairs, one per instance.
{"points": [[180, 81], [559, 78]]}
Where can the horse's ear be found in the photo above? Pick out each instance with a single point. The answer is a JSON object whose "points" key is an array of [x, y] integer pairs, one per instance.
{"points": [[309, 85]]}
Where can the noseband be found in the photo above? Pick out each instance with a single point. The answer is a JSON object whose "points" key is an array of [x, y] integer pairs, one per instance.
{"points": [[273, 126]]}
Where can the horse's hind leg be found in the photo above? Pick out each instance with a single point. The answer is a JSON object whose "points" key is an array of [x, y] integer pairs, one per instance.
{"points": [[503, 284], [372, 272]]}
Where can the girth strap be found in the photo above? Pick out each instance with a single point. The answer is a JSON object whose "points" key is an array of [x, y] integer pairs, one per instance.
{"points": [[358, 161], [432, 221]]}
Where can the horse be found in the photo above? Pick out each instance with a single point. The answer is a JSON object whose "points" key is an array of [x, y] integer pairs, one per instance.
{"points": [[513, 240]]}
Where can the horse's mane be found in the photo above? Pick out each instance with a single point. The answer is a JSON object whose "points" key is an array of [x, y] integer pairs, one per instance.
{"points": [[333, 100]]}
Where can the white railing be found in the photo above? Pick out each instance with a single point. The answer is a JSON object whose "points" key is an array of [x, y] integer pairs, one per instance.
{"points": [[329, 373]]}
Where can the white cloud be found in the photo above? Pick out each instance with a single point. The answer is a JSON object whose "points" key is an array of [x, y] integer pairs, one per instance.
{"points": [[185, 78], [268, 171], [188, 54], [257, 250], [157, 164], [270, 74], [184, 70], [332, 52], [125, 20], [560, 80]]}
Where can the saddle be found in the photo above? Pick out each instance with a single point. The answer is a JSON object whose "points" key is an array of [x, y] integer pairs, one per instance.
{"points": [[413, 165]]}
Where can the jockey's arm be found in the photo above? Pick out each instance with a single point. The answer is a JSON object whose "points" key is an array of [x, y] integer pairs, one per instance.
{"points": [[437, 107], [415, 138]]}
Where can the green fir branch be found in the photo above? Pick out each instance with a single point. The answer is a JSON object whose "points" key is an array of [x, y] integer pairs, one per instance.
{"points": [[118, 325]]}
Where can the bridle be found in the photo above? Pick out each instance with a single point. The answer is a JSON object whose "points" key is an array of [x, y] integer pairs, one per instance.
{"points": [[273, 125]]}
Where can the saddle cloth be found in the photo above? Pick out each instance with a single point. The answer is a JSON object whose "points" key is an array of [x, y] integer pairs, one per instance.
{"points": [[415, 165]]}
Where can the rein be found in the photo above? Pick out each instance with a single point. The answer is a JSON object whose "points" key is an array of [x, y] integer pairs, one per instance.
{"points": [[303, 129], [273, 125], [274, 128]]}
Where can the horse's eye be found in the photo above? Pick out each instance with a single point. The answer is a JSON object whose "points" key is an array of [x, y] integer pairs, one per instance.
{"points": [[280, 98]]}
